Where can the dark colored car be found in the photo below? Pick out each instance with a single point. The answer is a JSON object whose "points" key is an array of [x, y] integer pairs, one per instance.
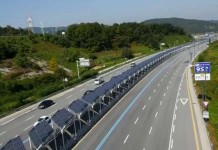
{"points": [[45, 104]]}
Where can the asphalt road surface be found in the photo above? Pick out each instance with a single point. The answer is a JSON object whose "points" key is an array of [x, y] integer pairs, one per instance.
{"points": [[155, 115], [147, 123], [21, 122]]}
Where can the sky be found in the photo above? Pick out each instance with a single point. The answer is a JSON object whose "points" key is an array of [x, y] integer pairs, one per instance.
{"points": [[65, 12]]}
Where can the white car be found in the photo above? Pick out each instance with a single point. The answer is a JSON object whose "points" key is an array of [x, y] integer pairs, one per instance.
{"points": [[132, 64], [46, 118], [99, 80]]}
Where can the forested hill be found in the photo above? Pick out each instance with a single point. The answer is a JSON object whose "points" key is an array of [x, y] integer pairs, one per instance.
{"points": [[189, 25], [36, 65], [11, 31], [98, 37]]}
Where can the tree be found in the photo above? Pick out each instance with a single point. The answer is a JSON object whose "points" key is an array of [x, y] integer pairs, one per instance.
{"points": [[127, 53], [53, 65]]}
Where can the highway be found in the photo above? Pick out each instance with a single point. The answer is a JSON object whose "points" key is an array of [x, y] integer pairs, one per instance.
{"points": [[156, 114], [151, 104], [21, 122]]}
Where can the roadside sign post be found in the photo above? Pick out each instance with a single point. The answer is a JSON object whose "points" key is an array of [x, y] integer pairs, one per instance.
{"points": [[202, 73], [83, 63]]}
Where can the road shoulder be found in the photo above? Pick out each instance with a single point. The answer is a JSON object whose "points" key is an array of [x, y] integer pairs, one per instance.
{"points": [[201, 126]]}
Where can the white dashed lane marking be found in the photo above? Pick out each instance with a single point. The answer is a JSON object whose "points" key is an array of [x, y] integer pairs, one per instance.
{"points": [[27, 128], [136, 120], [126, 139], [150, 130], [144, 107], [30, 118], [156, 114], [3, 133]]}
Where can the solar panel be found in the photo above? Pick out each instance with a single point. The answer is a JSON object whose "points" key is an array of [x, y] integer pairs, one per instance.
{"points": [[40, 133], [101, 90], [77, 106], [14, 144], [90, 97], [62, 117]]}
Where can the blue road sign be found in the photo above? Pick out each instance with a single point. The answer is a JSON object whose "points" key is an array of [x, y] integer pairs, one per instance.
{"points": [[202, 67]]}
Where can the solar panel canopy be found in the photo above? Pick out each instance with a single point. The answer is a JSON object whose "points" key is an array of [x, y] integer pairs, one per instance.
{"points": [[40, 133], [77, 106], [14, 144], [62, 117]]}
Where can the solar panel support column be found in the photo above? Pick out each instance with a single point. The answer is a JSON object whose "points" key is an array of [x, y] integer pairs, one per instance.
{"points": [[100, 107], [62, 133], [48, 147], [30, 143], [89, 117], [75, 128], [95, 112], [68, 133], [55, 141], [103, 103]]}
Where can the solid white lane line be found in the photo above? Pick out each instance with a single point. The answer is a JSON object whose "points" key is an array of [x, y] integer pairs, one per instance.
{"points": [[8, 121], [144, 107], [150, 130], [136, 120], [3, 133], [160, 102], [126, 139], [174, 115], [164, 94], [156, 114], [173, 127], [70, 96], [30, 118], [172, 144], [176, 107], [154, 90], [27, 128], [149, 98]]}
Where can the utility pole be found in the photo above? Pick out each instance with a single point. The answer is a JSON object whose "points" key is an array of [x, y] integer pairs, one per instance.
{"points": [[77, 64], [194, 50]]}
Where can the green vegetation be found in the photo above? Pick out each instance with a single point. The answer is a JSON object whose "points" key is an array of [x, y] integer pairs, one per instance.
{"points": [[10, 31], [34, 66], [211, 55], [189, 25]]}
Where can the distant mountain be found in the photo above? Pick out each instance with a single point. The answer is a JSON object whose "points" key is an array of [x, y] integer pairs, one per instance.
{"points": [[48, 30], [214, 21], [189, 25]]}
